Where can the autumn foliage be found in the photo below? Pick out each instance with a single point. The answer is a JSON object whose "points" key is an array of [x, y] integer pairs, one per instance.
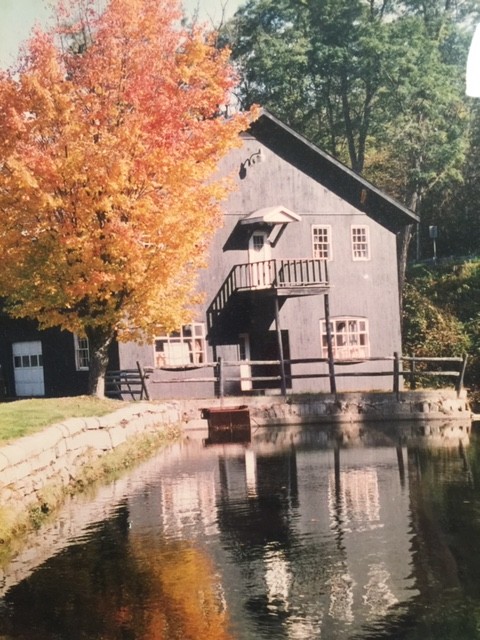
{"points": [[111, 129]]}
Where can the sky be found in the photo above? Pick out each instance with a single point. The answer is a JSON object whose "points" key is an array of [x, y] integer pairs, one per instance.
{"points": [[18, 17]]}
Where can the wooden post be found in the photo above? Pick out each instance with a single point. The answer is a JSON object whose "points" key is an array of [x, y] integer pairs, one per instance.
{"points": [[462, 375], [331, 366], [283, 381], [336, 466], [142, 380], [221, 381], [401, 464], [396, 374], [413, 381]]}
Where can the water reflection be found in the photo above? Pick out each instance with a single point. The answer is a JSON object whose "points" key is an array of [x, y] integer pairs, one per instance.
{"points": [[295, 537]]}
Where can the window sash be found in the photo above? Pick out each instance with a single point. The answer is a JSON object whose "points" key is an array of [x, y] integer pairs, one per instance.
{"points": [[322, 242], [350, 338], [360, 243], [82, 353], [181, 348]]}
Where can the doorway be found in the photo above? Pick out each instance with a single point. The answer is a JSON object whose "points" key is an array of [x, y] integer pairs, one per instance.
{"points": [[259, 256], [245, 369], [28, 368]]}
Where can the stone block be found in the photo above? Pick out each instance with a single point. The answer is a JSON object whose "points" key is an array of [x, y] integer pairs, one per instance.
{"points": [[72, 427], [78, 440], [41, 460], [16, 473], [14, 453], [4, 461], [117, 436], [100, 440]]}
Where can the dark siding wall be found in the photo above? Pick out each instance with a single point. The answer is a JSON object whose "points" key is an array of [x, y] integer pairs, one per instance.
{"points": [[60, 374]]}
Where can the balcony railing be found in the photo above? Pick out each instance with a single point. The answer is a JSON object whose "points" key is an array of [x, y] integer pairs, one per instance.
{"points": [[278, 274], [285, 277]]}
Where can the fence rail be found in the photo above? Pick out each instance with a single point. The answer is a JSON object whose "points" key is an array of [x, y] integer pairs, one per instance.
{"points": [[127, 382], [401, 367]]}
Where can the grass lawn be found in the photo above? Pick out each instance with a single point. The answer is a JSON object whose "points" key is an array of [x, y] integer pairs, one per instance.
{"points": [[24, 417]]}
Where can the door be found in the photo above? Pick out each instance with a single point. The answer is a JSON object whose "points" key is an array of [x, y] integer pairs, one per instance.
{"points": [[259, 255], [28, 368], [245, 369]]}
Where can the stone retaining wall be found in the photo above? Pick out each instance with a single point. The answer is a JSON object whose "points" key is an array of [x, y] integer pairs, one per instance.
{"points": [[57, 454], [342, 408]]}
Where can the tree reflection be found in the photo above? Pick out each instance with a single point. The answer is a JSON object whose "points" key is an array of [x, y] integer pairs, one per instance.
{"points": [[121, 586], [186, 598]]}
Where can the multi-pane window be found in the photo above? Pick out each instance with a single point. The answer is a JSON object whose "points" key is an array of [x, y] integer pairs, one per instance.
{"points": [[258, 241], [349, 338], [82, 353], [27, 361], [322, 242], [181, 348], [360, 243]]}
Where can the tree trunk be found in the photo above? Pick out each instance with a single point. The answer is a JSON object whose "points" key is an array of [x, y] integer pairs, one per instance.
{"points": [[99, 341], [403, 242]]}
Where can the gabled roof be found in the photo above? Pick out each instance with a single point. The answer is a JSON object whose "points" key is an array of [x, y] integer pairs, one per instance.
{"points": [[271, 215], [331, 173]]}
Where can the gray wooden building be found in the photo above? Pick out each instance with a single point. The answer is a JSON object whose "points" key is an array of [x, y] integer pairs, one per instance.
{"points": [[304, 238]]}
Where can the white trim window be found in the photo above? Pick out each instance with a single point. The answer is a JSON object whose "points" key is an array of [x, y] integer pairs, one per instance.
{"points": [[322, 241], [360, 242], [350, 340], [183, 348], [82, 353]]}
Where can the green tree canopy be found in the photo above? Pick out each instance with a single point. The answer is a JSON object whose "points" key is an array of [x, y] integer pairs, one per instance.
{"points": [[379, 84]]}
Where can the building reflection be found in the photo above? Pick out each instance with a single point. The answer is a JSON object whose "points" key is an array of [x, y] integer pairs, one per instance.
{"points": [[318, 538], [331, 531], [297, 539]]}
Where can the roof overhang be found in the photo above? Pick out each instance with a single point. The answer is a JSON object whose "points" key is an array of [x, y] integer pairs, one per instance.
{"points": [[331, 173], [271, 216], [273, 220]]}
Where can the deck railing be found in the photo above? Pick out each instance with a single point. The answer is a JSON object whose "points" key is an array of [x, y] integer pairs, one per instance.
{"points": [[269, 274], [280, 274]]}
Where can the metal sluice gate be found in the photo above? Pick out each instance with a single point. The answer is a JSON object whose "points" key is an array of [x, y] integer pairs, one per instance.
{"points": [[227, 424]]}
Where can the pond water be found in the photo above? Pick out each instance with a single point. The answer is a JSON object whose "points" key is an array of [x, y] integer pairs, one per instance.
{"points": [[292, 537]]}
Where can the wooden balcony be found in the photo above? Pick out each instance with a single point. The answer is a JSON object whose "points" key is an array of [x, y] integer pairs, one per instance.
{"points": [[280, 278]]}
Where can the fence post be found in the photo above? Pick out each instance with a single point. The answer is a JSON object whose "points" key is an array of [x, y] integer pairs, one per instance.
{"points": [[283, 382], [462, 375], [331, 366], [221, 381], [142, 375], [413, 382], [396, 374]]}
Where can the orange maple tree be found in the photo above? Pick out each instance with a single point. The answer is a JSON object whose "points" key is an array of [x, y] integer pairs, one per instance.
{"points": [[111, 129]]}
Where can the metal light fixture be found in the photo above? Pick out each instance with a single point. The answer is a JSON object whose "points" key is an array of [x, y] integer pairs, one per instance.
{"points": [[256, 157]]}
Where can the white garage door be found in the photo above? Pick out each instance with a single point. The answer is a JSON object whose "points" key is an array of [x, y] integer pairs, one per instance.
{"points": [[28, 367]]}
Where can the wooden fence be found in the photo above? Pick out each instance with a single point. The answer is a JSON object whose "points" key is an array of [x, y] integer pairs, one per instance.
{"points": [[127, 382], [411, 368]]}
